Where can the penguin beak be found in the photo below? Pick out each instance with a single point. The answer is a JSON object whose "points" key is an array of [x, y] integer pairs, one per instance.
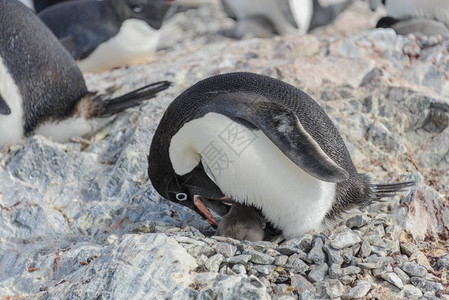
{"points": [[197, 200], [203, 205]]}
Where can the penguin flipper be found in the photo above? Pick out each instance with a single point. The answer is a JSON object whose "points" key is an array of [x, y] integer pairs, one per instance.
{"points": [[4, 108], [285, 130]]}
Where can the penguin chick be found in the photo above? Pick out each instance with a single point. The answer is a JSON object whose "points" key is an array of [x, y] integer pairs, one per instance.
{"points": [[266, 144], [42, 91], [242, 223], [102, 35]]}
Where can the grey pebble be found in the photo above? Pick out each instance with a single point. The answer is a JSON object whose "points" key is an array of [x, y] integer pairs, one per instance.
{"points": [[414, 270], [334, 288], [239, 269], [264, 269], [225, 249], [334, 271], [318, 273], [316, 254], [393, 279], [351, 270], [280, 260], [426, 285], [344, 239], [261, 258], [357, 221], [238, 259], [401, 274], [333, 255], [360, 289], [296, 264], [443, 262]]}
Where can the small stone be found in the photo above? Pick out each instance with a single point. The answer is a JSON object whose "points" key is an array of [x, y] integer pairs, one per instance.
{"points": [[346, 255], [213, 263], [369, 266], [287, 250], [334, 288], [239, 269], [303, 287], [316, 254], [393, 279], [408, 248], [346, 279], [344, 239], [414, 270], [225, 249], [365, 249], [281, 260], [375, 240], [334, 271], [384, 269], [303, 242], [401, 274], [333, 255], [281, 290], [443, 262], [425, 285], [411, 292], [357, 221], [238, 259], [264, 269], [318, 273], [359, 290], [296, 265], [261, 258], [351, 270], [421, 259]]}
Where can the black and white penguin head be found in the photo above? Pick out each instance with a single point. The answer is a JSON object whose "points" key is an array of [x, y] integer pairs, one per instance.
{"points": [[151, 11]]}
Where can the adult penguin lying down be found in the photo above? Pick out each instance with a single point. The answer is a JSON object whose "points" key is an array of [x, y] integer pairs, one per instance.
{"points": [[267, 145], [42, 91]]}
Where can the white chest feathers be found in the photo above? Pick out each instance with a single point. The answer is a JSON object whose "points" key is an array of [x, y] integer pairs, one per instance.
{"points": [[135, 41], [11, 126], [248, 167]]}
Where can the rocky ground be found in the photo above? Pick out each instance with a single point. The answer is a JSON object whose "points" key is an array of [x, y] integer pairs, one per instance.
{"points": [[81, 220]]}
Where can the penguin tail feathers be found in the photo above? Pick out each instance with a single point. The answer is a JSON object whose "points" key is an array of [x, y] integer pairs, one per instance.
{"points": [[109, 107], [381, 191]]}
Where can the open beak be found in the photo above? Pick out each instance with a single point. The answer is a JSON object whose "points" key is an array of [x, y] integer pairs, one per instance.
{"points": [[202, 207], [204, 210]]}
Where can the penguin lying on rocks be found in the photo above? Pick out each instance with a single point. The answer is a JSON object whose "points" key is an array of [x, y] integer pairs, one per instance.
{"points": [[107, 34], [415, 26], [42, 91], [267, 145], [264, 18], [402, 10]]}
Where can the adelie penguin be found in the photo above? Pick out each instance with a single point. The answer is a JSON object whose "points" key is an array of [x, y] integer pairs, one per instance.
{"points": [[106, 34], [267, 145], [264, 18], [42, 91], [437, 10]]}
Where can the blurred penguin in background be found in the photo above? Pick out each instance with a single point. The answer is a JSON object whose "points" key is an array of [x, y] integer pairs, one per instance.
{"points": [[102, 35], [265, 18], [414, 16], [39, 5]]}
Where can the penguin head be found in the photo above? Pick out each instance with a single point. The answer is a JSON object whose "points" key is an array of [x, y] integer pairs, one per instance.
{"points": [[151, 11], [182, 188]]}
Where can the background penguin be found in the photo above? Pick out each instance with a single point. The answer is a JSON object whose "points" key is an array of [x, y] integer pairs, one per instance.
{"points": [[38, 5], [106, 34], [416, 26], [264, 18], [406, 9], [41, 88], [266, 144]]}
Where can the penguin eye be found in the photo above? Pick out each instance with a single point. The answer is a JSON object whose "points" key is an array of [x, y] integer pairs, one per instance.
{"points": [[137, 8], [181, 197]]}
